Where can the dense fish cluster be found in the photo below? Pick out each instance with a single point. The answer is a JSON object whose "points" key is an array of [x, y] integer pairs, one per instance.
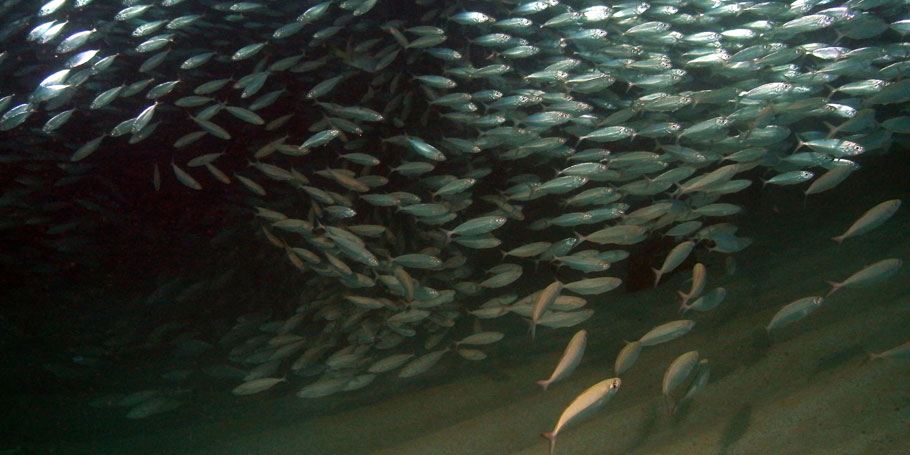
{"points": [[417, 169]]}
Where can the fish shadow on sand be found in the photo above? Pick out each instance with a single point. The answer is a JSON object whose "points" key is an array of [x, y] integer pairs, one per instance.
{"points": [[758, 348], [837, 359], [735, 429], [648, 424]]}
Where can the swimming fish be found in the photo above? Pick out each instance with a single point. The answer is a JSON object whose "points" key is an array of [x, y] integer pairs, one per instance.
{"points": [[794, 311], [873, 218], [870, 274], [570, 359], [591, 399]]}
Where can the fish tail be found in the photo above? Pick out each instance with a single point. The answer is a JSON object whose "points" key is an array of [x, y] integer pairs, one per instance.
{"points": [[683, 296], [656, 276], [551, 436], [580, 238], [543, 383], [834, 288], [838, 239]]}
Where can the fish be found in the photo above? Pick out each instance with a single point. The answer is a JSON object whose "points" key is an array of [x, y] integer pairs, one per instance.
{"points": [[185, 178], [323, 387], [870, 274], [898, 352], [873, 218], [570, 359], [422, 363], [702, 376], [794, 311], [542, 303], [389, 363], [591, 399], [480, 338], [153, 406], [706, 302], [666, 332], [677, 255], [699, 278], [390, 149], [256, 386], [627, 357], [678, 371]]}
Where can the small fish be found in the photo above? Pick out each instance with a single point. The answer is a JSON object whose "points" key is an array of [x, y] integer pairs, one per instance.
{"points": [[480, 338], [678, 370], [591, 399], [869, 274], [699, 278], [627, 356], [677, 255], [389, 363], [543, 302], [156, 178], [421, 364], [570, 359], [323, 387], [667, 332], [897, 352], [794, 311], [256, 386], [707, 302], [873, 218], [185, 178]]}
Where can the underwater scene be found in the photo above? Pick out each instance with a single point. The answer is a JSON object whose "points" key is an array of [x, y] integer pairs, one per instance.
{"points": [[485, 227]]}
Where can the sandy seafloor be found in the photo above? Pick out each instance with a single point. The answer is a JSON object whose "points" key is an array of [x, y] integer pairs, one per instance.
{"points": [[807, 389]]}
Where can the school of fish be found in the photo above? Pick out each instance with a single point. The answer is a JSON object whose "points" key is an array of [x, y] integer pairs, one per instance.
{"points": [[419, 169]]}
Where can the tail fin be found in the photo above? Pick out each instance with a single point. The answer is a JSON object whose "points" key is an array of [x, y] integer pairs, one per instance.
{"points": [[581, 238], [551, 436], [834, 288], [656, 276], [532, 326], [543, 383], [838, 239], [683, 296]]}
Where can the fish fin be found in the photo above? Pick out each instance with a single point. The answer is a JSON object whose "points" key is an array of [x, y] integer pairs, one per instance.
{"points": [[838, 239], [531, 327], [543, 383], [870, 357], [656, 276], [551, 436], [832, 130], [448, 236], [683, 296], [580, 238]]}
